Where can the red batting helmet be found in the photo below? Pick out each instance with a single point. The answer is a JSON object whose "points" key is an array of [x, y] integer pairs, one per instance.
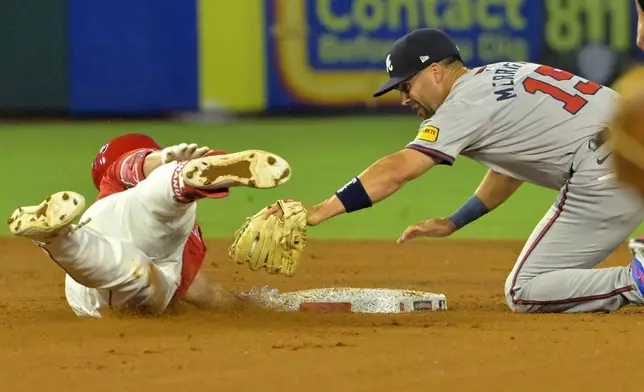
{"points": [[116, 147]]}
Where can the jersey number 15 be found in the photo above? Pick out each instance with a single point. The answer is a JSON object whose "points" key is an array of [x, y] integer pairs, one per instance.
{"points": [[573, 103]]}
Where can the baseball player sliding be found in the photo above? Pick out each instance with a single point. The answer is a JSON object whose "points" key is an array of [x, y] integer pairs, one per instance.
{"points": [[527, 123], [139, 245]]}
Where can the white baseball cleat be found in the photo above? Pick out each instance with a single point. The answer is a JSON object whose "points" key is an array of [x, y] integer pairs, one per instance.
{"points": [[251, 168], [50, 219]]}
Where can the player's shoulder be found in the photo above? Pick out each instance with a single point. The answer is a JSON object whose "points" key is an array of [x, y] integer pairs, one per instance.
{"points": [[492, 68], [428, 131], [489, 84], [484, 75]]}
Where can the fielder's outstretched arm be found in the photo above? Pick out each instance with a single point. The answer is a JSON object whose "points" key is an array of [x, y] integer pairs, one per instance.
{"points": [[496, 188], [491, 193], [379, 181]]}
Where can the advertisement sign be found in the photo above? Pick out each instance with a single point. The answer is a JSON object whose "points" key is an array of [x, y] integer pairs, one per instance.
{"points": [[332, 52]]}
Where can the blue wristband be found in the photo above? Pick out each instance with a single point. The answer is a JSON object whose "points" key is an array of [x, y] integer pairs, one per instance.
{"points": [[470, 211], [353, 196]]}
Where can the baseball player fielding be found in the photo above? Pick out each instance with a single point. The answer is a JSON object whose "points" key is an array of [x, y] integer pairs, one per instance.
{"points": [[525, 122]]}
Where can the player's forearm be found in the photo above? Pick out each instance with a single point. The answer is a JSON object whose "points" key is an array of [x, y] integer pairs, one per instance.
{"points": [[380, 180], [151, 163], [491, 193], [496, 188], [206, 294], [385, 177]]}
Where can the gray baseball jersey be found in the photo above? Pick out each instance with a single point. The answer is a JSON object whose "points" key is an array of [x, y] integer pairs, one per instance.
{"points": [[521, 119], [538, 124]]}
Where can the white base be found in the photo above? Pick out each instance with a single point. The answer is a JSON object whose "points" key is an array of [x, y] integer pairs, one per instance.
{"points": [[355, 300]]}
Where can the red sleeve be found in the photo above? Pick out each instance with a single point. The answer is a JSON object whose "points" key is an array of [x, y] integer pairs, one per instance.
{"points": [[125, 172]]}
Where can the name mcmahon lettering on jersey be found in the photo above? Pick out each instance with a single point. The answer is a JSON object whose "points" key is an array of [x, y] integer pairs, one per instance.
{"points": [[504, 81]]}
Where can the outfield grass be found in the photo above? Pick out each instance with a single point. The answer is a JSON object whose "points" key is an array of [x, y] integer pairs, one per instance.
{"points": [[325, 153]]}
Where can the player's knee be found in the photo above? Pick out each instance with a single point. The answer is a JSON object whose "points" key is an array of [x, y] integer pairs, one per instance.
{"points": [[509, 293], [513, 296], [521, 308], [515, 305]]}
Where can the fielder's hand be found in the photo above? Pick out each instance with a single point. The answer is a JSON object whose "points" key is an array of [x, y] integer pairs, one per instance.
{"points": [[273, 242], [312, 215], [182, 152], [430, 228]]}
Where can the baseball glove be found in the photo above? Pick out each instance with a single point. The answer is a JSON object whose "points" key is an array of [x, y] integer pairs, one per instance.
{"points": [[274, 244], [628, 131]]}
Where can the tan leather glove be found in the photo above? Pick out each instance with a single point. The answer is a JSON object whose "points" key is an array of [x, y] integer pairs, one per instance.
{"points": [[273, 244], [627, 130]]}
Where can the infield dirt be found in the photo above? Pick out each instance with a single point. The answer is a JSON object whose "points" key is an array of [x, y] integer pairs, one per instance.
{"points": [[478, 344]]}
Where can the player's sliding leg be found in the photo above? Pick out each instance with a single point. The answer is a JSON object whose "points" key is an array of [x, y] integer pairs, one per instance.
{"points": [[159, 211], [122, 275]]}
